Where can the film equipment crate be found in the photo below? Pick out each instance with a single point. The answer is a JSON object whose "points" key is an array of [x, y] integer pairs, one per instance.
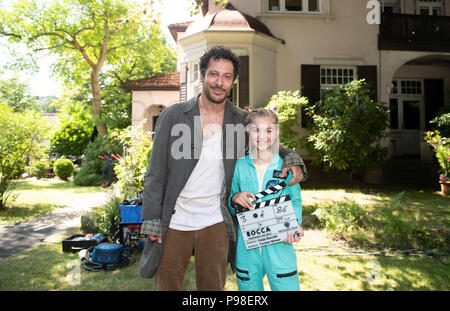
{"points": [[130, 225], [79, 241], [131, 211]]}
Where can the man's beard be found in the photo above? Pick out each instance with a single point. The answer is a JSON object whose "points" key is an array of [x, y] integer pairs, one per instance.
{"points": [[211, 98]]}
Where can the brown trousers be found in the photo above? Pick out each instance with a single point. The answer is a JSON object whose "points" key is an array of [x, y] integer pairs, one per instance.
{"points": [[210, 246]]}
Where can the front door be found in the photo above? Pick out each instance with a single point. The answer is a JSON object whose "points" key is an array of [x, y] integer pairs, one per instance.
{"points": [[410, 126], [405, 110]]}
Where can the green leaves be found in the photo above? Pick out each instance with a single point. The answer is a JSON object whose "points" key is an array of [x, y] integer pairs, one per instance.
{"points": [[287, 104], [63, 168], [72, 133], [21, 138], [111, 38], [132, 166], [347, 126]]}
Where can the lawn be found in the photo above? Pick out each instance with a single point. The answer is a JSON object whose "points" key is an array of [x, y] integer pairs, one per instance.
{"points": [[325, 262], [38, 196], [46, 267], [434, 208]]}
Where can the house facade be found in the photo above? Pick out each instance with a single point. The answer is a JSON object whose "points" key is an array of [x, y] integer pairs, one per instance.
{"points": [[401, 48], [151, 96]]}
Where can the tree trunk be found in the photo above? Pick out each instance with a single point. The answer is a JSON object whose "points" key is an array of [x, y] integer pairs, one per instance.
{"points": [[97, 102]]}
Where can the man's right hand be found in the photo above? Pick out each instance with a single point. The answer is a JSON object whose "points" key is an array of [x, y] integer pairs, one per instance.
{"points": [[154, 238]]}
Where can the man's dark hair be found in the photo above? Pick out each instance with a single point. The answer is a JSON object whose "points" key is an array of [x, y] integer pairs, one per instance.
{"points": [[216, 53]]}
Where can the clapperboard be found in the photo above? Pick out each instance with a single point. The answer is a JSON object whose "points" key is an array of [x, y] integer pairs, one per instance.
{"points": [[269, 222]]}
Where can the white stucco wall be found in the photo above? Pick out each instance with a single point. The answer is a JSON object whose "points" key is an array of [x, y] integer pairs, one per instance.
{"points": [[145, 104], [339, 35]]}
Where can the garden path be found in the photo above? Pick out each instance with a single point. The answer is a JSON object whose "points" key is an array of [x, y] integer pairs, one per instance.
{"points": [[20, 236]]}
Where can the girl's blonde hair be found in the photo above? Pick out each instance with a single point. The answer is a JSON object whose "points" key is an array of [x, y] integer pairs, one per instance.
{"points": [[261, 113]]}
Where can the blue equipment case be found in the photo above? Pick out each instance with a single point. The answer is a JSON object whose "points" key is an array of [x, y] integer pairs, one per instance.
{"points": [[107, 253], [131, 212]]}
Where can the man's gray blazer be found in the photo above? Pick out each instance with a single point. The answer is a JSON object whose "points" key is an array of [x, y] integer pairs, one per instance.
{"points": [[167, 173]]}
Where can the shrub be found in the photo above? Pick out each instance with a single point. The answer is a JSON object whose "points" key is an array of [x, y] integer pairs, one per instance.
{"points": [[21, 137], [63, 168], [343, 216], [40, 168], [287, 104], [441, 146], [73, 131], [389, 225], [91, 173], [347, 127], [89, 223], [442, 122], [132, 167], [102, 218], [399, 226], [76, 170], [440, 141]]}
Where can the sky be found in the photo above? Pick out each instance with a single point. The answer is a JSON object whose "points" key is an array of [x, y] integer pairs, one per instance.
{"points": [[42, 84]]}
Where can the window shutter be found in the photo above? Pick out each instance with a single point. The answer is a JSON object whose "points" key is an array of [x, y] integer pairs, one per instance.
{"points": [[369, 73], [244, 90], [183, 82], [434, 99], [310, 77]]}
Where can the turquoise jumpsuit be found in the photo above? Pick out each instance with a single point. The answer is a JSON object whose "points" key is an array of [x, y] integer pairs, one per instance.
{"points": [[278, 261]]}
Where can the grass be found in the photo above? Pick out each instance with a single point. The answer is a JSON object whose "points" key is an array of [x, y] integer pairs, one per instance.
{"points": [[20, 272], [430, 229], [38, 196], [324, 271], [46, 267], [433, 207]]}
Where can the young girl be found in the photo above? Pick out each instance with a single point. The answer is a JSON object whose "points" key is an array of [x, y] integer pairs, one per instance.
{"points": [[254, 173]]}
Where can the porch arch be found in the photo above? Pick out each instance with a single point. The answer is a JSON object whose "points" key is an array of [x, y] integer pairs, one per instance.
{"points": [[413, 108], [392, 61]]}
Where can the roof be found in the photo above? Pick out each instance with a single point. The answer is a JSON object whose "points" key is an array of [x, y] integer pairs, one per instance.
{"points": [[178, 27], [166, 82], [228, 19]]}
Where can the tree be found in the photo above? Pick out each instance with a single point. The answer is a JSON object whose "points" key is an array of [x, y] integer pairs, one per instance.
{"points": [[16, 94], [89, 37], [347, 127], [197, 4], [73, 131]]}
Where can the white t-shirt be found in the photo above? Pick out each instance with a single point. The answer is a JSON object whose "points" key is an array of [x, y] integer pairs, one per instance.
{"points": [[261, 169], [198, 204]]}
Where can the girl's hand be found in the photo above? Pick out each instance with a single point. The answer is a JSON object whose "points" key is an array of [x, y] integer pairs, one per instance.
{"points": [[244, 199], [291, 238]]}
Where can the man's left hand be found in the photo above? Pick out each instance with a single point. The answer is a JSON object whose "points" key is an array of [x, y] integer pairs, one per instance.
{"points": [[297, 174]]}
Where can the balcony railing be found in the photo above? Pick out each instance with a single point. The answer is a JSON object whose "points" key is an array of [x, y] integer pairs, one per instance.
{"points": [[414, 33]]}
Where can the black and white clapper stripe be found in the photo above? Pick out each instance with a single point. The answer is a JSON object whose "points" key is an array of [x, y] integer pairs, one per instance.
{"points": [[270, 190], [273, 201], [262, 194]]}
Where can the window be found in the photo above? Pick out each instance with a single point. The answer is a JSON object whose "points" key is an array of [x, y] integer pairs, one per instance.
{"points": [[234, 93], [407, 87], [194, 85], [391, 6], [294, 5], [331, 76], [394, 89], [194, 72], [411, 87], [430, 7]]}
